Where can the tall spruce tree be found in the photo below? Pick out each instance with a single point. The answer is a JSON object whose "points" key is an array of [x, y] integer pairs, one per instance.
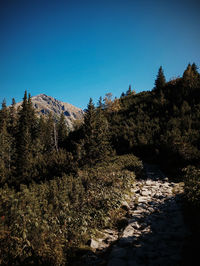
{"points": [[160, 80], [191, 77], [12, 130], [41, 133], [12, 118], [128, 91], [32, 119], [96, 137], [102, 133], [24, 142], [187, 76], [3, 113], [5, 146], [195, 69], [50, 134], [5, 154], [89, 134], [62, 131]]}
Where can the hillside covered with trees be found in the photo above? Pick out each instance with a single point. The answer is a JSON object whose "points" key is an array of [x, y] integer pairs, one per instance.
{"points": [[59, 187], [163, 123]]}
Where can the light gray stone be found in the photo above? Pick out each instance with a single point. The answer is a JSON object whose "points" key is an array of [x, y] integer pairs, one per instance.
{"points": [[142, 199], [94, 244], [135, 225], [110, 231], [149, 182], [155, 232], [128, 231], [145, 193]]}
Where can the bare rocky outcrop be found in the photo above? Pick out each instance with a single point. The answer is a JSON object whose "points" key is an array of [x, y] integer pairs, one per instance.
{"points": [[44, 104]]}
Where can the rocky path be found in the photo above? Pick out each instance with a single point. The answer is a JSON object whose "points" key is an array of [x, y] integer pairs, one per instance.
{"points": [[155, 231]]}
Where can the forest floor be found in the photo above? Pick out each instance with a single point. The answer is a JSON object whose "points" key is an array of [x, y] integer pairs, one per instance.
{"points": [[155, 231]]}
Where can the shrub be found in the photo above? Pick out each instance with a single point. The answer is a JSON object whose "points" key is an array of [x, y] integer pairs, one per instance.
{"points": [[192, 186], [42, 223]]}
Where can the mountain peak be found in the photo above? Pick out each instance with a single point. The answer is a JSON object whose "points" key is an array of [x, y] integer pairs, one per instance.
{"points": [[45, 104]]}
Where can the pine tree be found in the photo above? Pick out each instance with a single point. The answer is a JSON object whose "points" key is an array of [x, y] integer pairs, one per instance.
{"points": [[160, 80], [89, 133], [5, 154], [32, 119], [24, 142], [12, 118], [62, 131], [122, 95], [3, 113], [102, 133], [191, 77], [96, 136], [108, 102], [41, 132], [12, 130], [128, 91], [195, 69], [51, 140], [187, 75], [5, 146]]}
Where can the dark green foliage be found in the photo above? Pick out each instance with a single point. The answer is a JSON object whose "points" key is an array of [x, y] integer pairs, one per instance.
{"points": [[32, 149], [89, 133], [128, 91], [5, 153], [44, 217], [160, 80], [192, 205], [191, 77], [40, 224], [192, 212], [12, 125], [62, 131], [102, 134], [3, 113], [26, 134], [192, 187], [122, 95], [162, 124], [51, 138], [96, 146], [6, 147], [67, 185]]}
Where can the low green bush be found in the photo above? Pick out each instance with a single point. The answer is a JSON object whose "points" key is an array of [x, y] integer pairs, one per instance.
{"points": [[192, 186], [192, 214], [42, 223]]}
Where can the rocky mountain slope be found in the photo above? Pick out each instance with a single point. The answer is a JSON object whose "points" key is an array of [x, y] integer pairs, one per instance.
{"points": [[45, 104]]}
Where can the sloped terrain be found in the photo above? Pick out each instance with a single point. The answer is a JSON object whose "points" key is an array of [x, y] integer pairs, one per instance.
{"points": [[44, 104], [155, 231]]}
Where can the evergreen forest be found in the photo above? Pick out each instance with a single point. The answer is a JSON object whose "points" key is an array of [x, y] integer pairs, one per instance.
{"points": [[60, 187]]}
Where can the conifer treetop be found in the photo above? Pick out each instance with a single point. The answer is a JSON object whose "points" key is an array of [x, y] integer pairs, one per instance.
{"points": [[160, 80]]}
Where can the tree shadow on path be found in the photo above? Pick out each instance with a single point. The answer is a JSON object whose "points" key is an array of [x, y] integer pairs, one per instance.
{"points": [[155, 235]]}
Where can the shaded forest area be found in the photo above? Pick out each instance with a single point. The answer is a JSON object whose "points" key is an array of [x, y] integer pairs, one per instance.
{"points": [[163, 123], [65, 186]]}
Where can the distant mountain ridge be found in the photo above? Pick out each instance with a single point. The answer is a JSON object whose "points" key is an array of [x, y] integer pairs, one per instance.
{"points": [[45, 104]]}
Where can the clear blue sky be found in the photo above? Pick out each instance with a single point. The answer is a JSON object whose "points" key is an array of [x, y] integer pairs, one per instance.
{"points": [[74, 50]]}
